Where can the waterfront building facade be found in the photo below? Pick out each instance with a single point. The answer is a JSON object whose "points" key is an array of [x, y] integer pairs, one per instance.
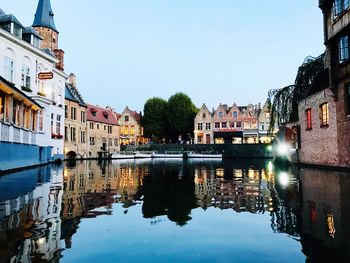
{"points": [[265, 133], [322, 131], [33, 71], [103, 131], [203, 126], [131, 131], [227, 125], [75, 126]]}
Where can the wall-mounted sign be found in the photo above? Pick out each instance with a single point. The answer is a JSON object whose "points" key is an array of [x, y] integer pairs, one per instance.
{"points": [[45, 75]]}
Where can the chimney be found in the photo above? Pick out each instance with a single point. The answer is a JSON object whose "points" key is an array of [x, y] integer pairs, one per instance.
{"points": [[72, 79], [59, 54]]}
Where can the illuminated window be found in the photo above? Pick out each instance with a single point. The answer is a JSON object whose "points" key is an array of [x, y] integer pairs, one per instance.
{"points": [[308, 119], [200, 139], [324, 114], [132, 131], [2, 106]]}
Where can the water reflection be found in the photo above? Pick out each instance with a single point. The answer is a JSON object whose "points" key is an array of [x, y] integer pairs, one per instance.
{"points": [[41, 209]]}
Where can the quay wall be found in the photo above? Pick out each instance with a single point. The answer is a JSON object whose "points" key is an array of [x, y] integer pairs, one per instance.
{"points": [[16, 156], [228, 150]]}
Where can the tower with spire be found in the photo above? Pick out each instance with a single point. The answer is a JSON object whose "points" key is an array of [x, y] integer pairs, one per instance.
{"points": [[44, 24]]}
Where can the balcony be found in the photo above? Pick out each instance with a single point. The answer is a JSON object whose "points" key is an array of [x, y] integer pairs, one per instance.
{"points": [[10, 133]]}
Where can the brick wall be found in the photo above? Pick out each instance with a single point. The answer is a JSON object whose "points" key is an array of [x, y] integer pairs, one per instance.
{"points": [[343, 126], [319, 145]]}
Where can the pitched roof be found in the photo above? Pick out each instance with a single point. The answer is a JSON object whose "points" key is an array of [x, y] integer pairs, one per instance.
{"points": [[10, 18], [32, 31], [44, 15], [102, 115], [16, 90], [73, 94], [2, 12]]}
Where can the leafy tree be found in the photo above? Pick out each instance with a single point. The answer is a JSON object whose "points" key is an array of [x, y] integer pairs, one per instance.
{"points": [[285, 101], [180, 115], [154, 120]]}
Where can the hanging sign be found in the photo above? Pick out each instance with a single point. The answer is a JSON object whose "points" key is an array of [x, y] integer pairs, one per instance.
{"points": [[45, 75]]}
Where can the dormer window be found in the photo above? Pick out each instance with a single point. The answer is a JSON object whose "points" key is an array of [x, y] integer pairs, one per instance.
{"points": [[220, 114], [17, 30], [6, 27], [105, 114], [36, 41], [235, 114], [126, 118]]}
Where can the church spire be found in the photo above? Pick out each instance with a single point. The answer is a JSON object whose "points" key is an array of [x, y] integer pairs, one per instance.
{"points": [[44, 16]]}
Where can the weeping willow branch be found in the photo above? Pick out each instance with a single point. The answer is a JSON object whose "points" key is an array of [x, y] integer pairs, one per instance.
{"points": [[284, 102]]}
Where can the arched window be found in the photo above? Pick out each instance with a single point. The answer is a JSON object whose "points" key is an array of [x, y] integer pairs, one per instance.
{"points": [[235, 114], [220, 114]]}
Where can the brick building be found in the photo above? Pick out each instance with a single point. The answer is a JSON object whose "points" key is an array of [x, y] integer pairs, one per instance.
{"points": [[203, 132], [324, 114]]}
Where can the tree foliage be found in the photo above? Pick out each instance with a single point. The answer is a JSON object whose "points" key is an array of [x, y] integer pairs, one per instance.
{"points": [[154, 119], [180, 114], [169, 119], [284, 101]]}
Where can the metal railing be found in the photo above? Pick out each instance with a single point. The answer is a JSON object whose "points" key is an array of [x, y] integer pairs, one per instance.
{"points": [[26, 137], [16, 134], [5, 132]]}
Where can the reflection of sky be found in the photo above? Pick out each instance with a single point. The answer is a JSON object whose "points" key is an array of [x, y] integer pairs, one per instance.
{"points": [[211, 236]]}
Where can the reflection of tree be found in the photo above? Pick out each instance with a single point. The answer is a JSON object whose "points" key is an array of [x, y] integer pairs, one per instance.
{"points": [[285, 217], [165, 193]]}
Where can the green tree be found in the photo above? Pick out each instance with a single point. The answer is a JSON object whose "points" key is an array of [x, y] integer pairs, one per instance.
{"points": [[154, 118], [180, 115]]}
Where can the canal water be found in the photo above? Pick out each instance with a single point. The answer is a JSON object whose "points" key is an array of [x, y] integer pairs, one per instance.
{"points": [[175, 211]]}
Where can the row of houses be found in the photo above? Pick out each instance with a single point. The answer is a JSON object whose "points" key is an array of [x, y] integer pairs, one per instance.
{"points": [[321, 135], [43, 117], [233, 125]]}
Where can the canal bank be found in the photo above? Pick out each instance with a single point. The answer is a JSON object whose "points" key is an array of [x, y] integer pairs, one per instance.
{"points": [[227, 150]]}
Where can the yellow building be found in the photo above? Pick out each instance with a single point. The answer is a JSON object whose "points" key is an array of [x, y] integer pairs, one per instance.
{"points": [[131, 131], [103, 131], [75, 129]]}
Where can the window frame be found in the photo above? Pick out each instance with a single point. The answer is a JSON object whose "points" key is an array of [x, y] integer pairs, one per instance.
{"points": [[308, 119], [324, 115]]}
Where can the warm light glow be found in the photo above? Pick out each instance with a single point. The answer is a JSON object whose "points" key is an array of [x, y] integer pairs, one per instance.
{"points": [[284, 179], [270, 167], [283, 149], [41, 241], [269, 148]]}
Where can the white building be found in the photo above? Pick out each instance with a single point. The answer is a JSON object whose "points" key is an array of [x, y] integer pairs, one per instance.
{"points": [[34, 64]]}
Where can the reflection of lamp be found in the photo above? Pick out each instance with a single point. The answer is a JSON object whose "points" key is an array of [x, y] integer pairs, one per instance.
{"points": [[284, 179]]}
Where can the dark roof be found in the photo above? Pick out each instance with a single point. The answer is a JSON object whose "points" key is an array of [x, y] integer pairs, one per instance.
{"points": [[2, 12], [73, 94], [30, 30], [320, 82], [9, 84], [44, 15], [102, 115], [10, 18]]}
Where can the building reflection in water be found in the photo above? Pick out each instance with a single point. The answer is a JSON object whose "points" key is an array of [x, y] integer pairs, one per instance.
{"points": [[46, 205], [30, 223]]}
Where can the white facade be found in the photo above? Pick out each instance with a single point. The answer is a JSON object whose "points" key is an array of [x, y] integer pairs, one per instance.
{"points": [[20, 63], [203, 127]]}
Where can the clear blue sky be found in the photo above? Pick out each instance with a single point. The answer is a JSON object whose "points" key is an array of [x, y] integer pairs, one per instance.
{"points": [[125, 51]]}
